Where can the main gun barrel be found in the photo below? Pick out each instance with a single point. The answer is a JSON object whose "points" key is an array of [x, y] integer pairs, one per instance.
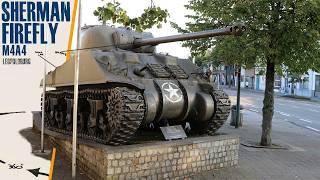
{"points": [[230, 30]]}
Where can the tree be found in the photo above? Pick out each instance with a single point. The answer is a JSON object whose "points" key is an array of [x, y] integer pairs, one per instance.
{"points": [[279, 33], [151, 16]]}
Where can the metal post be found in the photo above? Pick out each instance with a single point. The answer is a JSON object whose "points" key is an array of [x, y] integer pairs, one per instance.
{"points": [[238, 99], [218, 79], [75, 98], [43, 105], [75, 116]]}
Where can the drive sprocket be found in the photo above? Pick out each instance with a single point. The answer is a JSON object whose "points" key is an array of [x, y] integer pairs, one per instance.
{"points": [[124, 113]]}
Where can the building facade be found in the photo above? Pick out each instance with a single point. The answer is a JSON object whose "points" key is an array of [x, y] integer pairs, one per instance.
{"points": [[308, 86]]}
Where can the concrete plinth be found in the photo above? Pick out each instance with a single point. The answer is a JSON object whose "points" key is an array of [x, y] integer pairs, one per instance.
{"points": [[152, 160]]}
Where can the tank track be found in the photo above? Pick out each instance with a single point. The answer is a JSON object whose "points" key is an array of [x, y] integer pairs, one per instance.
{"points": [[221, 114], [113, 122], [222, 111]]}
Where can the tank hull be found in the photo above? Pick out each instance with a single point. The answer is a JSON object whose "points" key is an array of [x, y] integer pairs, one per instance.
{"points": [[168, 90]]}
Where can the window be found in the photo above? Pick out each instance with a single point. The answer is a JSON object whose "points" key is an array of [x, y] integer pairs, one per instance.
{"points": [[305, 83], [277, 84]]}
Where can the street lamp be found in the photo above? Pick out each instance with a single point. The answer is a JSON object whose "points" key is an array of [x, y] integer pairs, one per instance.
{"points": [[238, 98]]}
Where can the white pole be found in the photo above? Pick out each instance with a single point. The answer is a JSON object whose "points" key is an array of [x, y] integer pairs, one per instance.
{"points": [[75, 98], [43, 105], [75, 112], [44, 94]]}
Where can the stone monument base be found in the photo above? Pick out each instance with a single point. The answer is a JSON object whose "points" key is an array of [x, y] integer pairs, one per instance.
{"points": [[180, 159]]}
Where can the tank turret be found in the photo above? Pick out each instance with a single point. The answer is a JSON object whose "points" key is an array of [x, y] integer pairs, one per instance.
{"points": [[108, 38], [125, 86]]}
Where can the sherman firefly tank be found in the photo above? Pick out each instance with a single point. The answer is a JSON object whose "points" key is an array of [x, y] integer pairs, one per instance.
{"points": [[124, 85]]}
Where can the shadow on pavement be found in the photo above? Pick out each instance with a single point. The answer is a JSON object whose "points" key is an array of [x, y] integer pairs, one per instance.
{"points": [[62, 167]]}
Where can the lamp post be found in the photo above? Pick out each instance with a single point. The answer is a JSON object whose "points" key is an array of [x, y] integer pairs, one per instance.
{"points": [[238, 99]]}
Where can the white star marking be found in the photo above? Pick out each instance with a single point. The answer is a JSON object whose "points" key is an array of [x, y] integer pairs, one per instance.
{"points": [[174, 92]]}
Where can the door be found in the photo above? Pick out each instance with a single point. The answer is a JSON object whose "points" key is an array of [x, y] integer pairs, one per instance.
{"points": [[317, 89], [257, 82]]}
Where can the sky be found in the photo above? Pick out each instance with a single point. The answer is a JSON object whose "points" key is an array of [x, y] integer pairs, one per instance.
{"points": [[135, 8]]}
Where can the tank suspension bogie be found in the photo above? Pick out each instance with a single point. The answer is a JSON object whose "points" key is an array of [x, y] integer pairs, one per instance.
{"points": [[95, 107], [113, 115], [69, 112], [108, 115], [53, 110]]}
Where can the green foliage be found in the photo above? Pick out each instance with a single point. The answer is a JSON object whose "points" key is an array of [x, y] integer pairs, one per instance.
{"points": [[294, 77], [285, 32], [206, 61], [152, 16]]}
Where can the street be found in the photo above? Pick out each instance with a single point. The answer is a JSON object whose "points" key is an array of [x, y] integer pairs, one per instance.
{"points": [[302, 113]]}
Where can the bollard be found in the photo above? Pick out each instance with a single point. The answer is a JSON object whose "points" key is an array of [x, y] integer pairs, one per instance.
{"points": [[233, 121]]}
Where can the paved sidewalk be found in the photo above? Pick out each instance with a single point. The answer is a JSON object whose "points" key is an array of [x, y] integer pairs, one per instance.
{"points": [[19, 142], [277, 94], [300, 161]]}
